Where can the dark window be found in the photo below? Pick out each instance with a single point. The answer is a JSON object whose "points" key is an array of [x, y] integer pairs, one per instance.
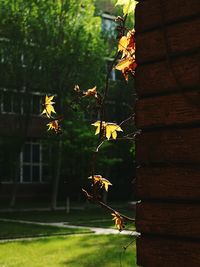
{"points": [[34, 161], [7, 102], [35, 153], [27, 153], [26, 173], [36, 173], [17, 103], [36, 104]]}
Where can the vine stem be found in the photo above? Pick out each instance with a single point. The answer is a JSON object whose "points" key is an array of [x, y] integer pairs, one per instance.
{"points": [[94, 197], [102, 204]]}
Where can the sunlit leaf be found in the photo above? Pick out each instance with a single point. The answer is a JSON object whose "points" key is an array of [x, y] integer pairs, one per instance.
{"points": [[98, 124], [103, 182], [128, 5], [119, 222], [127, 65], [109, 129], [126, 44], [91, 92], [48, 106], [124, 63], [54, 125], [122, 45]]}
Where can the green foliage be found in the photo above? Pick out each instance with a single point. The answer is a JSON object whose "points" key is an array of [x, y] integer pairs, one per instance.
{"points": [[50, 45]]}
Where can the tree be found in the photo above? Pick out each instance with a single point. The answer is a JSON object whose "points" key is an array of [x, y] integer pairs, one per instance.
{"points": [[49, 46], [124, 61]]}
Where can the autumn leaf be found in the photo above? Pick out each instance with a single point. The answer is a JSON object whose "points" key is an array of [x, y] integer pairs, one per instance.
{"points": [[124, 63], [128, 5], [91, 92], [98, 124], [131, 41], [54, 125], [119, 222], [48, 106], [127, 65], [122, 45], [103, 182], [126, 44], [109, 129]]}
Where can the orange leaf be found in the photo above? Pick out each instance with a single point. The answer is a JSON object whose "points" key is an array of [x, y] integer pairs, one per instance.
{"points": [[54, 125], [91, 92], [119, 222]]}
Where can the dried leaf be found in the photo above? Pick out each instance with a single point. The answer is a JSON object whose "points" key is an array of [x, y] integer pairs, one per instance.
{"points": [[109, 129], [126, 44], [127, 65], [48, 106], [91, 92], [119, 222], [124, 63], [54, 125]]}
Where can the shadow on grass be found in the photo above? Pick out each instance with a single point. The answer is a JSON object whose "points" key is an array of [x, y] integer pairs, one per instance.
{"points": [[104, 252], [12, 230]]}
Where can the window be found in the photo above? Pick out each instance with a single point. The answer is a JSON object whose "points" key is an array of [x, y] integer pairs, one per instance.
{"points": [[33, 165], [108, 25], [17, 102]]}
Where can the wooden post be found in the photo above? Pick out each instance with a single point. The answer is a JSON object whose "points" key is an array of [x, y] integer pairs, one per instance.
{"points": [[168, 149]]}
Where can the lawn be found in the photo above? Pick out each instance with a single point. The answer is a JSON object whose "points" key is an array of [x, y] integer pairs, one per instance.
{"points": [[90, 216], [10, 230], [70, 251]]}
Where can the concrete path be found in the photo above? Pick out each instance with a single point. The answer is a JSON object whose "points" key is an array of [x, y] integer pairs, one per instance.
{"points": [[95, 230]]}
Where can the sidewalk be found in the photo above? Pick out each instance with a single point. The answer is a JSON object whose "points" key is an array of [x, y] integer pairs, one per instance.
{"points": [[95, 230]]}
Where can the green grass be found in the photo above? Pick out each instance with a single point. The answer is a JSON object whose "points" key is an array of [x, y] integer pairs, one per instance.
{"points": [[69, 251], [91, 216], [10, 230]]}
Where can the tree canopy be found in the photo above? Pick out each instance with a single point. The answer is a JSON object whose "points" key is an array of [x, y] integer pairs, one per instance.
{"points": [[50, 45]]}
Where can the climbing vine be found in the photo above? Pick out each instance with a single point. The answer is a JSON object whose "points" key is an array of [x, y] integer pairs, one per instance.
{"points": [[125, 62]]}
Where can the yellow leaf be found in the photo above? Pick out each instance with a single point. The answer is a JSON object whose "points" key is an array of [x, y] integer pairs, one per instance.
{"points": [[109, 129], [97, 124], [54, 125], [128, 5], [124, 63], [122, 45], [48, 106], [119, 222], [103, 182]]}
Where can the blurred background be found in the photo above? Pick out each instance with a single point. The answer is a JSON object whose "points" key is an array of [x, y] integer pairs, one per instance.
{"points": [[47, 47]]}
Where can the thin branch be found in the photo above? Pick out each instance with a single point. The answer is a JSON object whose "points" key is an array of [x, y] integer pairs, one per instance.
{"points": [[105, 206]]}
